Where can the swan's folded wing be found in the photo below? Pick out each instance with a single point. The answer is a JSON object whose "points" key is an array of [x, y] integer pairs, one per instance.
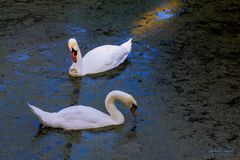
{"points": [[103, 58], [82, 117]]}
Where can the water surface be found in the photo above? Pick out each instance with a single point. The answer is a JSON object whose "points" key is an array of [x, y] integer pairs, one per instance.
{"points": [[183, 72]]}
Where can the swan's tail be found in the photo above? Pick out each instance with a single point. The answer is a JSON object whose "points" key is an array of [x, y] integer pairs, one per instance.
{"points": [[42, 115], [128, 45]]}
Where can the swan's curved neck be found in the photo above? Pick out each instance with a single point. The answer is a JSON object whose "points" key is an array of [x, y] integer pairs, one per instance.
{"points": [[79, 56], [115, 114], [76, 68]]}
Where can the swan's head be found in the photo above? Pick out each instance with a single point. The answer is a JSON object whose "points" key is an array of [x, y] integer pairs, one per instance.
{"points": [[132, 104], [125, 98], [73, 47]]}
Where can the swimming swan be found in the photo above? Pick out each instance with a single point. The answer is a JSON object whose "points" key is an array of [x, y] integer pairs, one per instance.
{"points": [[98, 60], [84, 117]]}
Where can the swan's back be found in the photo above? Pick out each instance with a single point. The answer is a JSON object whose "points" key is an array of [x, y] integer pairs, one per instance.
{"points": [[82, 117], [104, 58]]}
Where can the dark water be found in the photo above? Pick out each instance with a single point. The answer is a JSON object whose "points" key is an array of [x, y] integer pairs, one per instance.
{"points": [[183, 71]]}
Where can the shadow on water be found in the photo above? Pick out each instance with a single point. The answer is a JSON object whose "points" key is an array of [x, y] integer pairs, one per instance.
{"points": [[43, 131], [74, 137], [71, 137], [76, 86], [132, 133]]}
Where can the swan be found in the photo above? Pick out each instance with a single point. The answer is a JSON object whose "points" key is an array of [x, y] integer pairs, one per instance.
{"points": [[83, 117], [99, 59]]}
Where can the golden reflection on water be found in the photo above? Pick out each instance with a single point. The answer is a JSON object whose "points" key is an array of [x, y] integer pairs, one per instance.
{"points": [[156, 17]]}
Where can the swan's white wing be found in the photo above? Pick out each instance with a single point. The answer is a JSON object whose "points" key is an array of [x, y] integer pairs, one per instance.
{"points": [[82, 117], [103, 58]]}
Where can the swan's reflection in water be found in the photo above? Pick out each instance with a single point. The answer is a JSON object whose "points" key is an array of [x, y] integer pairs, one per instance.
{"points": [[132, 133], [75, 91], [71, 138], [74, 138]]}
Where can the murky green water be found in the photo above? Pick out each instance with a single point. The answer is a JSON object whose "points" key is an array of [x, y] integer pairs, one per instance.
{"points": [[183, 71]]}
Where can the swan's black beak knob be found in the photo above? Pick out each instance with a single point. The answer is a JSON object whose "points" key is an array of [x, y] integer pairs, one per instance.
{"points": [[133, 110], [74, 55]]}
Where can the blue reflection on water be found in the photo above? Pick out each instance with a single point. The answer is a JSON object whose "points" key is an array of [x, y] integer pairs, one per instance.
{"points": [[2, 87], [43, 47], [52, 85], [20, 57], [75, 30], [18, 73], [81, 150], [165, 14], [45, 50]]}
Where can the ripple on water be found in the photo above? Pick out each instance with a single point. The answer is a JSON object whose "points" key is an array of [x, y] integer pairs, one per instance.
{"points": [[75, 30], [45, 50], [2, 87], [18, 57], [18, 73]]}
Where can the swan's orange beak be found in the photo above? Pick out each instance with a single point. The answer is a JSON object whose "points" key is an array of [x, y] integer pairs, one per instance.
{"points": [[134, 110], [74, 55]]}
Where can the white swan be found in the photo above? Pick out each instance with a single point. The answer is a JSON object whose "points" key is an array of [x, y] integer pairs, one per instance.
{"points": [[99, 59], [84, 117]]}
